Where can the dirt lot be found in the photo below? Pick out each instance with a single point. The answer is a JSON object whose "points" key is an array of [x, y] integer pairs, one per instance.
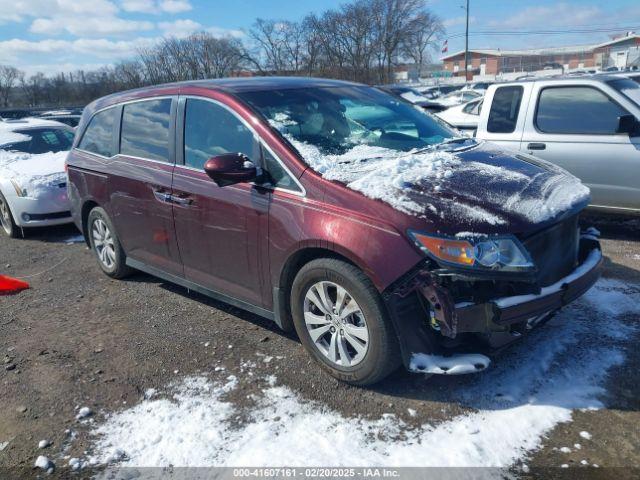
{"points": [[78, 338]]}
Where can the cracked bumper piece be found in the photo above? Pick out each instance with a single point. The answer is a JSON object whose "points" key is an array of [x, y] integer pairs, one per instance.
{"points": [[457, 364]]}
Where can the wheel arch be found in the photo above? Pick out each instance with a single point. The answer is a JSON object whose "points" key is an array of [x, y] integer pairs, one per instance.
{"points": [[87, 206], [293, 264]]}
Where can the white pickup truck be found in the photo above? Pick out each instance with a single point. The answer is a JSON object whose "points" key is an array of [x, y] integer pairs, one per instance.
{"points": [[588, 125]]}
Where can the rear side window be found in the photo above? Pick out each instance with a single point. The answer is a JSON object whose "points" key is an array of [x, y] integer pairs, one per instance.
{"points": [[503, 115], [43, 140], [577, 110], [98, 137], [210, 130], [145, 129], [472, 108]]}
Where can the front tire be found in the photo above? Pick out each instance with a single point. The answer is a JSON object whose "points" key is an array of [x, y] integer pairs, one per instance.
{"points": [[341, 321], [9, 227], [106, 245]]}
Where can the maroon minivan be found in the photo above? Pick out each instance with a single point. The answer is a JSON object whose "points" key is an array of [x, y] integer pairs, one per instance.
{"points": [[336, 209]]}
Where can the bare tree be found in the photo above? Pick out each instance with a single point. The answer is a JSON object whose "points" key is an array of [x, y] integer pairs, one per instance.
{"points": [[9, 76], [33, 88], [423, 34]]}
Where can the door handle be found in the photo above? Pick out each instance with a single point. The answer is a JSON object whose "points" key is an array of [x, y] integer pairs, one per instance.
{"points": [[162, 196], [536, 146], [184, 201]]}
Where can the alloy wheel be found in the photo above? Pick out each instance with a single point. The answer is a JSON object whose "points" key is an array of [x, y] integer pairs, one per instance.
{"points": [[5, 216], [103, 243], [336, 324]]}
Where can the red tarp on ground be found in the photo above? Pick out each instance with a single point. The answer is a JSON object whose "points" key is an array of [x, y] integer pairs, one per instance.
{"points": [[10, 285]]}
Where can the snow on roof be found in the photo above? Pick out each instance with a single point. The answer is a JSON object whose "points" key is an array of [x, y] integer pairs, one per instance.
{"points": [[542, 51], [617, 40], [29, 122], [8, 128]]}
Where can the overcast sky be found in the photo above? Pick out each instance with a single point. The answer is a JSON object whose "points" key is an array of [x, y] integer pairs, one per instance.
{"points": [[54, 35]]}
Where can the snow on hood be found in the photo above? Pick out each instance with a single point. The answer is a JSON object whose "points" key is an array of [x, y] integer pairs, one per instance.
{"points": [[448, 183], [35, 173]]}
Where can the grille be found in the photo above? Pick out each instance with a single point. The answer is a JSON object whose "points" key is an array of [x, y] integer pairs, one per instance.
{"points": [[49, 216], [555, 250]]}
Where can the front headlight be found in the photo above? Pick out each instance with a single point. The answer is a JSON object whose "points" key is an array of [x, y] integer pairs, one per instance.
{"points": [[504, 253], [21, 192]]}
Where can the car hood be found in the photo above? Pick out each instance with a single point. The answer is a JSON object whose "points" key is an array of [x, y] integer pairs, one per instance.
{"points": [[464, 187], [484, 189], [35, 173]]}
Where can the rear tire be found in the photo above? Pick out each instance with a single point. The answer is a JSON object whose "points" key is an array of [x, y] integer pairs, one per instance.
{"points": [[106, 245], [9, 227], [342, 322]]}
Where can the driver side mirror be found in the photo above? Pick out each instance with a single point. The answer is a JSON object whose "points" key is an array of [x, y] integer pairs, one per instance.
{"points": [[628, 124], [230, 168]]}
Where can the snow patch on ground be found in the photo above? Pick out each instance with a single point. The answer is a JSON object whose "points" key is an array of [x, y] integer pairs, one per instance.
{"points": [[535, 386]]}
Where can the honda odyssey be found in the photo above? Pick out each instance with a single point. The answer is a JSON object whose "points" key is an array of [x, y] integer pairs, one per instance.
{"points": [[334, 209]]}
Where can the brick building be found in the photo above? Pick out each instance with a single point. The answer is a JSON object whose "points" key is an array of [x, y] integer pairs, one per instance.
{"points": [[620, 52]]}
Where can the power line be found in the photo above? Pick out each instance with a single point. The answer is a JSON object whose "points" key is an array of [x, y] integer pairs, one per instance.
{"points": [[543, 32]]}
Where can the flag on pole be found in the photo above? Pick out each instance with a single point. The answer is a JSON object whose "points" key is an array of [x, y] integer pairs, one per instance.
{"points": [[445, 46]]}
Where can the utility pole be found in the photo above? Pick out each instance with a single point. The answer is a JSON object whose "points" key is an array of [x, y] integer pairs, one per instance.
{"points": [[466, 47]]}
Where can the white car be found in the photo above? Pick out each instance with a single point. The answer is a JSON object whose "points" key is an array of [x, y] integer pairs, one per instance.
{"points": [[463, 117], [457, 98], [33, 181]]}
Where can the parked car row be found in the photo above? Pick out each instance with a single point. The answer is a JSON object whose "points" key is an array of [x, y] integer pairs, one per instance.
{"points": [[33, 183], [69, 117], [339, 211]]}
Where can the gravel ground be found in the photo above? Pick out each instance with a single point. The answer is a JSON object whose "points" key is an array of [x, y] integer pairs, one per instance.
{"points": [[78, 338]]}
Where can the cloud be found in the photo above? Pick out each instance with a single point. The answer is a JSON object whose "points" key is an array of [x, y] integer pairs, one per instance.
{"points": [[175, 6], [87, 26], [18, 10], [179, 28], [17, 49], [156, 6], [562, 14], [457, 21], [225, 32], [139, 6]]}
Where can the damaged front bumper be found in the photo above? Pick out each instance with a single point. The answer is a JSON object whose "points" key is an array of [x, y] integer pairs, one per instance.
{"points": [[439, 335]]}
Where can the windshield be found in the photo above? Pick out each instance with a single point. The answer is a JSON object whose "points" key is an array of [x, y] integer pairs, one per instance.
{"points": [[336, 120], [628, 88], [41, 140]]}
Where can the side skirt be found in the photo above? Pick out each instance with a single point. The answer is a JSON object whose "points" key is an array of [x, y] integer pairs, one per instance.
{"points": [[156, 272]]}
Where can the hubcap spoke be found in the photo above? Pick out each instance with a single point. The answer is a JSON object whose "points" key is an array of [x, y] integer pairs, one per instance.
{"points": [[351, 308], [359, 332], [324, 297], [332, 348], [345, 358], [314, 297], [358, 346], [311, 319], [341, 298], [316, 333]]}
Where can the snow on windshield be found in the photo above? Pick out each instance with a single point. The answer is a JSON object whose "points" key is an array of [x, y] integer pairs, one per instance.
{"points": [[434, 182], [34, 173]]}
